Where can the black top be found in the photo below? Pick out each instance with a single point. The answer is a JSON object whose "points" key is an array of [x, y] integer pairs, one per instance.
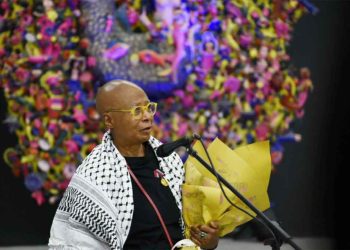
{"points": [[146, 232]]}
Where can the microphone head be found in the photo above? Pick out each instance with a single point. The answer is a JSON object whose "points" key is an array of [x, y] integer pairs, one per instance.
{"points": [[166, 149], [197, 137]]}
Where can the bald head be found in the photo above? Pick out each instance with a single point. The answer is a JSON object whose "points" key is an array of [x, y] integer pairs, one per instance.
{"points": [[115, 94], [114, 101]]}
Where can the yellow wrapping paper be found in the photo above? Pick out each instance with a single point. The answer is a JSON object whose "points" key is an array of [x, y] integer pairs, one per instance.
{"points": [[246, 168]]}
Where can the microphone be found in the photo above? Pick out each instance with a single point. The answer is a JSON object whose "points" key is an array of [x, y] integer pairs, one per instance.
{"points": [[166, 149]]}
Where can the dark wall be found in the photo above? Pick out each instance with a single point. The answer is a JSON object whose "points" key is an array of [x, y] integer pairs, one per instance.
{"points": [[307, 186], [303, 188], [21, 220]]}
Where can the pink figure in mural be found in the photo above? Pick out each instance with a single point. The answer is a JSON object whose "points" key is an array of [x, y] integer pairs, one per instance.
{"points": [[109, 23], [208, 56], [180, 30], [208, 53]]}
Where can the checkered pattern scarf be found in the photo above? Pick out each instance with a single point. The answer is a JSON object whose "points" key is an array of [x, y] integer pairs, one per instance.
{"points": [[98, 203]]}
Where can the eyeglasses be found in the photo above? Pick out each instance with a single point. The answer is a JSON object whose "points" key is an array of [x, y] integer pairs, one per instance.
{"points": [[138, 111]]}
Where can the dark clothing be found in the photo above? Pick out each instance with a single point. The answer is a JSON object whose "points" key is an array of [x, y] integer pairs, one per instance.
{"points": [[146, 231]]}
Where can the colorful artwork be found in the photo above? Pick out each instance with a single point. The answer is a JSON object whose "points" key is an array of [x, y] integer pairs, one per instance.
{"points": [[216, 68]]}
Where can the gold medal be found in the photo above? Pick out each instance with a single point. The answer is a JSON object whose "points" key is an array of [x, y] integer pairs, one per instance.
{"points": [[164, 182]]}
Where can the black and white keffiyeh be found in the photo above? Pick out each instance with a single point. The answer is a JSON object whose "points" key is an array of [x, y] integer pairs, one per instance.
{"points": [[97, 208]]}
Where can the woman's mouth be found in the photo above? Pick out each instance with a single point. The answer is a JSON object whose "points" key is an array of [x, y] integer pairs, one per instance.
{"points": [[148, 129]]}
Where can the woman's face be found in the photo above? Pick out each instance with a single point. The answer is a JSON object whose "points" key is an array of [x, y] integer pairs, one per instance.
{"points": [[127, 129]]}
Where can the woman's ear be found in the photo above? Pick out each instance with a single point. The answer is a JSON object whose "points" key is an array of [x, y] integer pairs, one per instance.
{"points": [[108, 121]]}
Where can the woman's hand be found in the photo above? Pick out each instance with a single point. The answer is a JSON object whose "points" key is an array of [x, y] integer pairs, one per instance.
{"points": [[206, 236]]}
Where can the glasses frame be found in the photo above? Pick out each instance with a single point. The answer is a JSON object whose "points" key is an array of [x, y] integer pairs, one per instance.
{"points": [[132, 111]]}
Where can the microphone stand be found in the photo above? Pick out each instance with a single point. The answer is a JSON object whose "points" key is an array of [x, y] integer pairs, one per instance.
{"points": [[281, 235]]}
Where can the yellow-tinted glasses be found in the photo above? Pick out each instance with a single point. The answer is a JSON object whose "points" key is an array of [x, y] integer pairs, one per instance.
{"points": [[137, 111]]}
